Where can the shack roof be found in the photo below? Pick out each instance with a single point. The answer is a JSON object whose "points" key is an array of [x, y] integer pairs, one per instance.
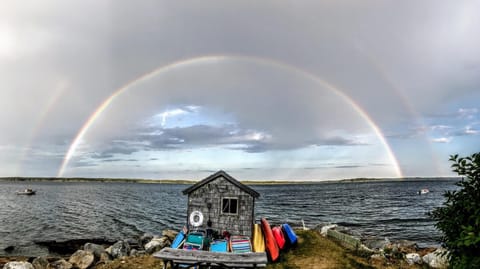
{"points": [[223, 174]]}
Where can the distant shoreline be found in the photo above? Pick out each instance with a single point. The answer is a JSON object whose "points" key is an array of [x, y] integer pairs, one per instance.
{"points": [[189, 182]]}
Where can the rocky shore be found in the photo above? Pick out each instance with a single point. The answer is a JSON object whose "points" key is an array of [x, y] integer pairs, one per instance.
{"points": [[89, 253], [384, 250], [99, 253]]}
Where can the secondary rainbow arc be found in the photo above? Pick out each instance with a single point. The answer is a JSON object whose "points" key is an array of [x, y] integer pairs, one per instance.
{"points": [[209, 59]]}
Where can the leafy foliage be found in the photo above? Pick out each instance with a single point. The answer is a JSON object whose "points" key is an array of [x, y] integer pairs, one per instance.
{"points": [[459, 217]]}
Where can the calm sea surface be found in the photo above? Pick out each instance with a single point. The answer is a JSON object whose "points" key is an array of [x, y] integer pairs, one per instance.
{"points": [[62, 211]]}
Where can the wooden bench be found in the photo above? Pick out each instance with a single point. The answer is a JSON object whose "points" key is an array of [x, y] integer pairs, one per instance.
{"points": [[211, 259]]}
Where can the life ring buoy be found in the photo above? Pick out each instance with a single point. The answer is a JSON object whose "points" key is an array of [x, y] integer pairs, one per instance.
{"points": [[196, 218]]}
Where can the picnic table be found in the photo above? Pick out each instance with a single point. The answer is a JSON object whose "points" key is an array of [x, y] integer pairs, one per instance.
{"points": [[208, 259]]}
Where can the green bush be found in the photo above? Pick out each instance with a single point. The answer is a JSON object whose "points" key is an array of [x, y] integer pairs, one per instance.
{"points": [[459, 217]]}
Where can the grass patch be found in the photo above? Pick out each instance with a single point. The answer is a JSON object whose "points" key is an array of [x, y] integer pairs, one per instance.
{"points": [[314, 251]]}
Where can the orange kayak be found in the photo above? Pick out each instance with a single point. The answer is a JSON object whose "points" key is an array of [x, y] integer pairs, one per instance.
{"points": [[278, 234], [270, 243]]}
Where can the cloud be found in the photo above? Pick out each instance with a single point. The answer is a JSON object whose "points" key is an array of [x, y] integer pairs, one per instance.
{"points": [[445, 140], [470, 131], [461, 113], [396, 83], [468, 113]]}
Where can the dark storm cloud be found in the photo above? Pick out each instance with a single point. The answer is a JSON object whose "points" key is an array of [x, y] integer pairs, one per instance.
{"points": [[204, 136]]}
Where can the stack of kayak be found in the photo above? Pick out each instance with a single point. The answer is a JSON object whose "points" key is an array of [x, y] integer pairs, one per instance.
{"points": [[265, 239], [275, 239]]}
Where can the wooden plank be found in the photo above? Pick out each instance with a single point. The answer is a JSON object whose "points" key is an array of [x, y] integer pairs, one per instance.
{"points": [[206, 257]]}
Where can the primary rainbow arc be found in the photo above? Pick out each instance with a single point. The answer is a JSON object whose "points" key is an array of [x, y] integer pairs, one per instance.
{"points": [[210, 59]]}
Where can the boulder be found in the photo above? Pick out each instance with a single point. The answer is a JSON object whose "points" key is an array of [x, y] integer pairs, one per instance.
{"points": [[104, 258], [145, 238], [413, 258], [133, 243], [70, 246], [407, 246], [436, 259], [96, 249], [170, 234], [324, 229], [137, 253], [82, 259], [9, 248], [119, 249], [133, 253], [156, 244], [60, 264], [18, 265], [40, 263], [377, 244], [348, 231]]}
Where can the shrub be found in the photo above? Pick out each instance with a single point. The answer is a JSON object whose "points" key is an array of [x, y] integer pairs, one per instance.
{"points": [[459, 217]]}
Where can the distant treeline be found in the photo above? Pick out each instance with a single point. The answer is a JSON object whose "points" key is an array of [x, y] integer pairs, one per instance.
{"points": [[399, 179], [247, 182], [85, 179]]}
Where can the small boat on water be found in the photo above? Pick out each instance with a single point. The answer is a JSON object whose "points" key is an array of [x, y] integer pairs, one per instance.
{"points": [[26, 192], [423, 191]]}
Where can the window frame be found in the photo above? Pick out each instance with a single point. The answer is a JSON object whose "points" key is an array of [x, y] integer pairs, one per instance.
{"points": [[229, 198]]}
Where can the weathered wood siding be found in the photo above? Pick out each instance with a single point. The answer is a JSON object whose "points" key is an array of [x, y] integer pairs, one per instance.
{"points": [[213, 192]]}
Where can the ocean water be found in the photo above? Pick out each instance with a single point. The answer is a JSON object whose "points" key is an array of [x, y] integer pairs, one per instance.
{"points": [[62, 211]]}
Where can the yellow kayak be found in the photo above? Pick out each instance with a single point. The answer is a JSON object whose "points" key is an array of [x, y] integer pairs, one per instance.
{"points": [[257, 240]]}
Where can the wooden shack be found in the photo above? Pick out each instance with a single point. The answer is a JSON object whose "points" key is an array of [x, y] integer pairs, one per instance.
{"points": [[221, 203]]}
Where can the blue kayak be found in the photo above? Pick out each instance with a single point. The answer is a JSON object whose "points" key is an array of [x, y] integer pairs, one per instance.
{"points": [[178, 241], [289, 234]]}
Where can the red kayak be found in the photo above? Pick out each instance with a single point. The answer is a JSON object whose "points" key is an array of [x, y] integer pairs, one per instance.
{"points": [[270, 242], [278, 234]]}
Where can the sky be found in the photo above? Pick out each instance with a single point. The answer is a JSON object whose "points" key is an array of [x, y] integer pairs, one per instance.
{"points": [[264, 90]]}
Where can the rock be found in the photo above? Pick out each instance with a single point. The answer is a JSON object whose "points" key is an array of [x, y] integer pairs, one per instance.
{"points": [[18, 265], [60, 264], [120, 249], [436, 259], [324, 229], [82, 259], [170, 234], [109, 250], [133, 243], [9, 248], [104, 258], [413, 258], [70, 246], [407, 246], [348, 231], [137, 253], [40, 263], [97, 250], [377, 244], [156, 244], [378, 257], [144, 239]]}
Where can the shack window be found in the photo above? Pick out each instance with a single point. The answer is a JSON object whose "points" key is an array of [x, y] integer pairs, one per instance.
{"points": [[229, 206]]}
